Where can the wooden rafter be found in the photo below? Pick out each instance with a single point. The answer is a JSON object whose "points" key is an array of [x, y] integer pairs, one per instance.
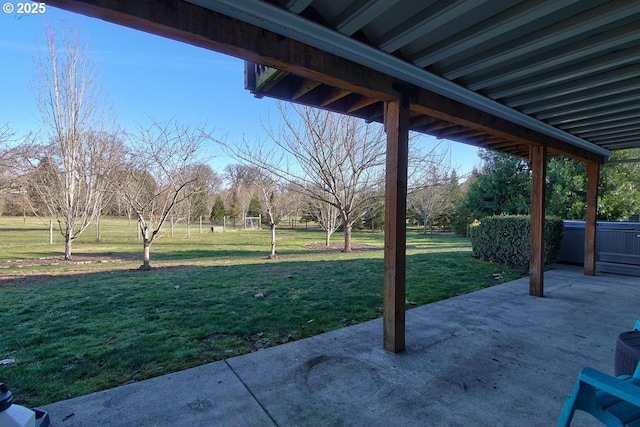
{"points": [[421, 120], [334, 95], [435, 127], [501, 143], [454, 112], [361, 103], [305, 87], [461, 132], [453, 130]]}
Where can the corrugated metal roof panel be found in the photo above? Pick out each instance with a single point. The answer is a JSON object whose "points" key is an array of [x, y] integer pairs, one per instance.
{"points": [[571, 65]]}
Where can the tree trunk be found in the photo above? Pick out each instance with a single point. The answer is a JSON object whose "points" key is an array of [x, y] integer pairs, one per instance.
{"points": [[67, 247], [273, 241], [146, 264], [347, 237], [146, 251], [98, 230], [327, 237]]}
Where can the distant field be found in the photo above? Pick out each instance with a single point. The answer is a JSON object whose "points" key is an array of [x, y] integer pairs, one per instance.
{"points": [[97, 322]]}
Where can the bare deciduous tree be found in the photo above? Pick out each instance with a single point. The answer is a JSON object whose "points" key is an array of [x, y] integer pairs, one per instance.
{"points": [[7, 159], [74, 156], [431, 191], [159, 173], [325, 214], [434, 196], [75, 195], [205, 181], [242, 181], [333, 158], [278, 202], [12, 168]]}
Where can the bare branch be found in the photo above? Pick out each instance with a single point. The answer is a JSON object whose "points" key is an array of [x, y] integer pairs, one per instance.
{"points": [[71, 161], [159, 173], [336, 159]]}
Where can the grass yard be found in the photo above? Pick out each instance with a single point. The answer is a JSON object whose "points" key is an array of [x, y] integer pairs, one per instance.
{"points": [[97, 322]]}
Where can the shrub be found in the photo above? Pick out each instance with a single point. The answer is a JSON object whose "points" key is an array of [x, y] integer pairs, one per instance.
{"points": [[506, 239]]}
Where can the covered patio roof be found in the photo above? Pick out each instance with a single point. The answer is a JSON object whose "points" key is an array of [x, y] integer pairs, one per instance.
{"points": [[532, 78], [565, 69], [499, 75]]}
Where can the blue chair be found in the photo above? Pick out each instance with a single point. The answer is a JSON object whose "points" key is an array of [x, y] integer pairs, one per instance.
{"points": [[615, 401]]}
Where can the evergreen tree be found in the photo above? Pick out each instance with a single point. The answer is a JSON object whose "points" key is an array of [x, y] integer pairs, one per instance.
{"points": [[217, 211], [502, 187], [620, 187], [199, 208], [255, 206], [234, 209], [566, 188]]}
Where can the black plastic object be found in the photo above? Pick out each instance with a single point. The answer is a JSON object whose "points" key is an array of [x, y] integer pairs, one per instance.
{"points": [[6, 398]]}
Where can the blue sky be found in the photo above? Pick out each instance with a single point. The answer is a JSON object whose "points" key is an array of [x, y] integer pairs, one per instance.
{"points": [[144, 76]]}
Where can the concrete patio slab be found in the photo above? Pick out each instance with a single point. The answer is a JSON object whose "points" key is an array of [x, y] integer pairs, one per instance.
{"points": [[209, 395], [496, 357]]}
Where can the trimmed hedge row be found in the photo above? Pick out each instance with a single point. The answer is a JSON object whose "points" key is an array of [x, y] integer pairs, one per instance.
{"points": [[506, 239]]}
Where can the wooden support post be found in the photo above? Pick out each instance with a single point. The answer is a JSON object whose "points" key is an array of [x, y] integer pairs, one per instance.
{"points": [[538, 157], [395, 233], [593, 171]]}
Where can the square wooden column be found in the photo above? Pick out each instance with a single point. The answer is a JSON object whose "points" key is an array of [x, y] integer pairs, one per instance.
{"points": [[538, 157], [593, 172], [395, 234]]}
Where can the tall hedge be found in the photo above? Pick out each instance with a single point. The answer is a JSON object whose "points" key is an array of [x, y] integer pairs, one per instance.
{"points": [[506, 239]]}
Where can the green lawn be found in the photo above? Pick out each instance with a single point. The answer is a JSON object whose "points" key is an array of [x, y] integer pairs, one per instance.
{"points": [[78, 327]]}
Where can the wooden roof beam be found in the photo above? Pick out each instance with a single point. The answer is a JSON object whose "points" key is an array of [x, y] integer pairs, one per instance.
{"points": [[186, 22], [461, 131], [305, 87], [437, 126], [452, 111], [360, 104], [421, 120], [502, 143], [334, 95]]}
